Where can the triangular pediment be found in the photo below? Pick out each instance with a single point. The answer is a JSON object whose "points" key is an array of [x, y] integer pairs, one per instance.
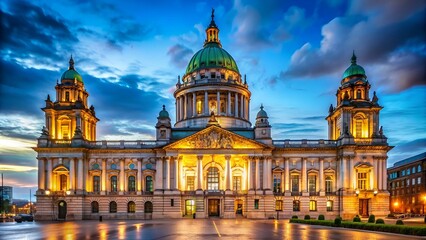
{"points": [[215, 137]]}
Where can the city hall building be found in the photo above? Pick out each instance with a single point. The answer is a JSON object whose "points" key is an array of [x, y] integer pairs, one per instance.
{"points": [[212, 162]]}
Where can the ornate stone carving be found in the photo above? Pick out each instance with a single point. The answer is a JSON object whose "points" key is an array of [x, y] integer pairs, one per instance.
{"points": [[212, 139]]}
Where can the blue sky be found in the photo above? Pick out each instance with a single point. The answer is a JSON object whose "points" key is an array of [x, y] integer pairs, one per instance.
{"points": [[131, 52]]}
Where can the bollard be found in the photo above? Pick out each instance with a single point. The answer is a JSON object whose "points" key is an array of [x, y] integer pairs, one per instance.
{"points": [[193, 215], [100, 218]]}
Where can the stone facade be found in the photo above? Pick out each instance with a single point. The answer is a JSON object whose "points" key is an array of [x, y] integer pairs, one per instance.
{"points": [[212, 162]]}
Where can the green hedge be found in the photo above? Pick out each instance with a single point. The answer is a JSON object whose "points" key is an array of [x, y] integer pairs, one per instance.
{"points": [[401, 229]]}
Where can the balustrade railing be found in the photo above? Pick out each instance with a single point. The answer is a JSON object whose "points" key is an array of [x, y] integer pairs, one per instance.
{"points": [[304, 143]]}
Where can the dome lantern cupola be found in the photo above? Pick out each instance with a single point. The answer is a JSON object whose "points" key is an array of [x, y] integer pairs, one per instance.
{"points": [[212, 33], [354, 69], [71, 73]]}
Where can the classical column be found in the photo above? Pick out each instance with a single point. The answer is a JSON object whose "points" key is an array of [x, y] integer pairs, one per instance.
{"points": [[304, 175], [80, 174], [352, 180], [199, 172], [176, 166], [228, 172], [206, 103], [159, 174], [228, 109], [287, 175], [139, 185], [167, 173], [258, 187], [49, 174], [194, 104], [384, 174], [41, 174], [242, 106], [181, 108], [269, 173], [72, 173], [122, 180], [218, 103], [185, 107], [103, 180], [344, 171], [236, 105], [321, 175], [249, 174], [265, 173]]}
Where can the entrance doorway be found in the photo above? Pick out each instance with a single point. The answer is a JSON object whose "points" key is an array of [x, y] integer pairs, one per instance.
{"points": [[363, 207], [189, 207], [214, 207], [62, 210], [238, 206]]}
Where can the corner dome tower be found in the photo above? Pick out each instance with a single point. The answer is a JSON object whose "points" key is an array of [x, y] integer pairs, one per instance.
{"points": [[71, 73], [212, 83]]}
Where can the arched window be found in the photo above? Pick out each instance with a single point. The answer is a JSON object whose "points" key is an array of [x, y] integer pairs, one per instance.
{"points": [[148, 208], [112, 207], [114, 184], [213, 179], [328, 184], [67, 96], [63, 182], [149, 186], [312, 205], [296, 206], [95, 207], [329, 206], [131, 207], [131, 184], [358, 94], [96, 183]]}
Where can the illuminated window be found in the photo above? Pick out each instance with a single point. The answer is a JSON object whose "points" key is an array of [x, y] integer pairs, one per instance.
{"points": [[256, 203], [67, 96], [112, 207], [131, 184], [213, 179], [95, 207], [358, 127], [419, 168], [278, 205], [358, 94], [131, 207], [199, 107], [312, 205], [148, 208], [190, 183], [277, 182], [362, 180], [312, 182], [295, 183], [63, 182], [328, 184], [296, 205], [236, 182], [96, 183], [114, 184], [329, 206], [149, 186]]}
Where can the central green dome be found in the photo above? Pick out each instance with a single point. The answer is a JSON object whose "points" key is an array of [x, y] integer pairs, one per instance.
{"points": [[212, 56], [353, 69], [71, 73]]}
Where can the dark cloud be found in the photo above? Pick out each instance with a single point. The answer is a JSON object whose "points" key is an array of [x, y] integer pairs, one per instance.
{"points": [[29, 32], [381, 40], [406, 150], [179, 55], [311, 118]]}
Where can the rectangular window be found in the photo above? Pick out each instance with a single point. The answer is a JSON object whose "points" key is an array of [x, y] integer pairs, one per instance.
{"points": [[236, 182], [279, 205], [295, 183], [199, 107], [190, 181], [329, 206], [328, 184], [408, 182], [419, 180], [256, 203], [96, 183], [408, 171], [312, 182], [403, 173], [277, 183], [413, 170], [419, 168], [362, 181], [413, 181], [172, 202], [296, 205], [312, 205], [358, 127]]}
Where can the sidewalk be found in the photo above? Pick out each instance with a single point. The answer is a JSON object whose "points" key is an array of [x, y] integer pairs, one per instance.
{"points": [[412, 221]]}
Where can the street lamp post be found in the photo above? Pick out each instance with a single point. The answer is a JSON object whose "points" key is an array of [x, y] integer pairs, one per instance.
{"points": [[395, 205]]}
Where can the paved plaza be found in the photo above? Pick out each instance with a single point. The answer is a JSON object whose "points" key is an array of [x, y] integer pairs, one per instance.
{"points": [[184, 229]]}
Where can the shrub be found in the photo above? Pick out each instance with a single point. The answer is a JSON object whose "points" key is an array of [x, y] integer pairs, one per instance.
{"points": [[321, 217], [307, 217], [398, 222], [357, 219], [294, 217], [371, 218], [380, 221], [338, 221]]}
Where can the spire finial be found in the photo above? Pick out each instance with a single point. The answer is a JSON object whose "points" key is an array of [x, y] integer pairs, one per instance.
{"points": [[261, 106], [71, 62], [212, 14], [164, 107], [353, 58]]}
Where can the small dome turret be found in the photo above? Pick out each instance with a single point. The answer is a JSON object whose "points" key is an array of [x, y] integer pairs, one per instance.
{"points": [[261, 113], [354, 69], [163, 113]]}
